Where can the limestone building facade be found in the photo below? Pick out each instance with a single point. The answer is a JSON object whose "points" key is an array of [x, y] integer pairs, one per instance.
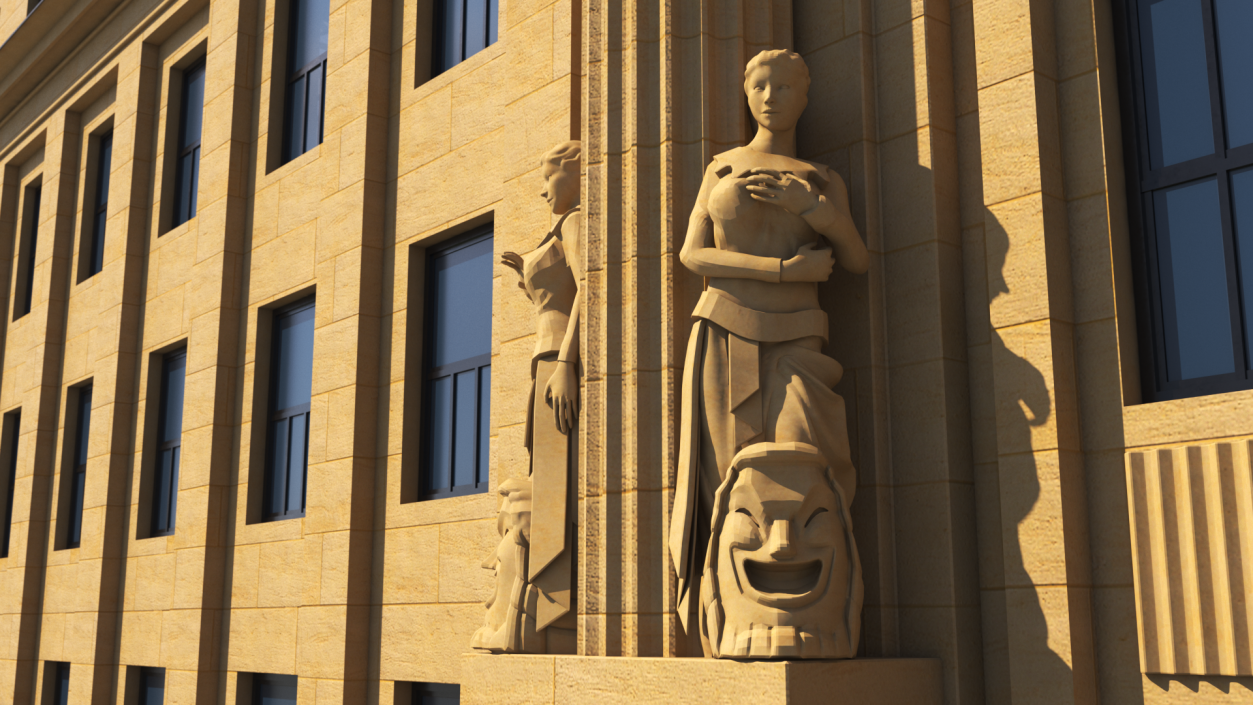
{"points": [[224, 229]]}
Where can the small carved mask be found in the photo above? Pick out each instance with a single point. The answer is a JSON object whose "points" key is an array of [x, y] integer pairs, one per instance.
{"points": [[783, 578], [508, 562]]}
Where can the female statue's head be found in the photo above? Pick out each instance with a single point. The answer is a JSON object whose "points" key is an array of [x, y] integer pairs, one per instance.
{"points": [[777, 85], [560, 169]]}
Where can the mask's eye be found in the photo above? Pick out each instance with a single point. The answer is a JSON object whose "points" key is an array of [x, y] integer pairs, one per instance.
{"points": [[748, 514], [819, 510]]}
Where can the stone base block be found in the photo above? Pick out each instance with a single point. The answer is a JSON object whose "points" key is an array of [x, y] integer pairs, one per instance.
{"points": [[580, 680]]}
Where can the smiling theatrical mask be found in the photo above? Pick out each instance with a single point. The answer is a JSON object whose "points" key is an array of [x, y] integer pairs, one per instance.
{"points": [[782, 577]]}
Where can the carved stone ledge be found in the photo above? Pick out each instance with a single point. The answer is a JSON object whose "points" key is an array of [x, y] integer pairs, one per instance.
{"points": [[519, 679]]}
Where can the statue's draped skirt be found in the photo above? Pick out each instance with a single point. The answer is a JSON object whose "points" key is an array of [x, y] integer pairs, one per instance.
{"points": [[736, 392]]}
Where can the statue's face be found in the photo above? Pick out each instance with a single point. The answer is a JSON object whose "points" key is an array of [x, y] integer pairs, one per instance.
{"points": [[784, 567], [777, 95], [561, 187]]}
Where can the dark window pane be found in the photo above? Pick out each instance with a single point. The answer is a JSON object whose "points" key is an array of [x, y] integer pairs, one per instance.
{"points": [[61, 686], [104, 159], [13, 423], [1176, 81], [1193, 280], [96, 263], [78, 486], [84, 426], [436, 694], [193, 107], [32, 247], [310, 21], [293, 348], [1234, 19], [493, 20], [105, 165], [274, 690], [1242, 216], [152, 686], [476, 27], [276, 487], [440, 418], [161, 491], [294, 129], [454, 18], [463, 294], [465, 428], [313, 110], [485, 408], [297, 466], [173, 381]]}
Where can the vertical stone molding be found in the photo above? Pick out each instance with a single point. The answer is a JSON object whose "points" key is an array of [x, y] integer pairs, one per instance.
{"points": [[1191, 512], [662, 95]]}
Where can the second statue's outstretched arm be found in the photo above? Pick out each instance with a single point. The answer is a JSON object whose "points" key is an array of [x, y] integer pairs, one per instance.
{"points": [[562, 388]]}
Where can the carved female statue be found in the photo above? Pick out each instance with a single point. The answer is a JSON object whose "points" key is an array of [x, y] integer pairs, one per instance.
{"points": [[762, 233], [551, 275]]}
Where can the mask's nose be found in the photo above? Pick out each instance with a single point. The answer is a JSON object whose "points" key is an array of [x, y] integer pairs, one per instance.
{"points": [[781, 539]]}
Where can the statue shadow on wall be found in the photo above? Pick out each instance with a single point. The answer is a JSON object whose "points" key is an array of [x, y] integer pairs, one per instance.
{"points": [[1028, 404]]}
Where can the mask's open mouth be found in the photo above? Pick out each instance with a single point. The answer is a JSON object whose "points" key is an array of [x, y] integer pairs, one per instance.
{"points": [[783, 579]]}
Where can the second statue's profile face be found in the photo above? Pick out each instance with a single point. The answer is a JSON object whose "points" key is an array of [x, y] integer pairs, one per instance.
{"points": [[561, 187], [777, 95]]}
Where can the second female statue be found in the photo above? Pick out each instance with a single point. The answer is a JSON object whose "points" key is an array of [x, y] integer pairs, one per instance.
{"points": [[760, 535], [531, 610]]}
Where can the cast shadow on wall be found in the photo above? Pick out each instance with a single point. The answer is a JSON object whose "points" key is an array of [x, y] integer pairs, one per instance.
{"points": [[1022, 402]]}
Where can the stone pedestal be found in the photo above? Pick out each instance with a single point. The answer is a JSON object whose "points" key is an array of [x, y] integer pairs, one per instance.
{"points": [[577, 680]]}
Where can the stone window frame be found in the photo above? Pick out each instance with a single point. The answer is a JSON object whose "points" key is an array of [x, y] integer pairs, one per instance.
{"points": [[173, 68], [28, 246], [93, 200], [149, 437], [254, 513], [462, 241], [1141, 183], [75, 442]]}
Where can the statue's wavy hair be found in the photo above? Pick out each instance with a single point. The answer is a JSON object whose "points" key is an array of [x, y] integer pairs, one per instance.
{"points": [[778, 57], [563, 154]]}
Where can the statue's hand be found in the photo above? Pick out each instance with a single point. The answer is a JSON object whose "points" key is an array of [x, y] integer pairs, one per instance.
{"points": [[513, 260], [787, 191], [811, 264], [562, 394]]}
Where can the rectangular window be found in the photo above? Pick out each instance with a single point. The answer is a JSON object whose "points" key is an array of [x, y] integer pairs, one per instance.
{"points": [[77, 484], [463, 28], [291, 384], [436, 694], [187, 149], [169, 443], [1192, 173], [308, 24], [457, 368], [151, 686], [104, 160], [26, 256], [57, 683], [270, 689], [12, 429]]}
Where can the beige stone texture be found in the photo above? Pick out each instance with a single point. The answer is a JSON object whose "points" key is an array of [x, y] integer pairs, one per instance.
{"points": [[991, 352], [535, 680]]}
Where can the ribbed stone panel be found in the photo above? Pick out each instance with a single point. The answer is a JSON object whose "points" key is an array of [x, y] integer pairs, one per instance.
{"points": [[1191, 512]]}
